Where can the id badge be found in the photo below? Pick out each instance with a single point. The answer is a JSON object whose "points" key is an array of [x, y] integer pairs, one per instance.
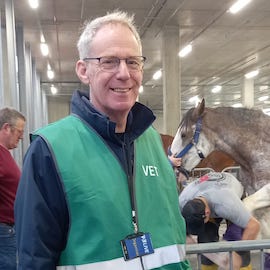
{"points": [[137, 245]]}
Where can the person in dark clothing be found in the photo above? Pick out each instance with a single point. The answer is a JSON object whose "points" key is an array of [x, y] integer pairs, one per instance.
{"points": [[103, 194]]}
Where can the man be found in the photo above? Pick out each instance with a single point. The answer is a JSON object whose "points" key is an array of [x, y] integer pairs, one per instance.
{"points": [[103, 194], [208, 200], [11, 132]]}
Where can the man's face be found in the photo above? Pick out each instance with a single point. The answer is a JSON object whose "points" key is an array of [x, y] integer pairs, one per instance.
{"points": [[114, 93], [16, 134]]}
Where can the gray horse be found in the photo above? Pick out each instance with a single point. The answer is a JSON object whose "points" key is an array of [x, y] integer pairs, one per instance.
{"points": [[242, 133]]}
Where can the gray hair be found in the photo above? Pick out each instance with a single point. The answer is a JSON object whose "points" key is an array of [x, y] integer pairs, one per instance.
{"points": [[10, 116], [91, 28]]}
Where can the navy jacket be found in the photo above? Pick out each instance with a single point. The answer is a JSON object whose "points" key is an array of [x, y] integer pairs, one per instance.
{"points": [[41, 213]]}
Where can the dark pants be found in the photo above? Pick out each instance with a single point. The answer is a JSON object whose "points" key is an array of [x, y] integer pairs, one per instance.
{"points": [[233, 233], [266, 261], [7, 247], [210, 235]]}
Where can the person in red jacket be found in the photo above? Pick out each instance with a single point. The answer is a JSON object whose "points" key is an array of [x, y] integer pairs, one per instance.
{"points": [[11, 132]]}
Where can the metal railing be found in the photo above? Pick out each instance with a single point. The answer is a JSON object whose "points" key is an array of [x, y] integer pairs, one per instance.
{"points": [[234, 170], [229, 247]]}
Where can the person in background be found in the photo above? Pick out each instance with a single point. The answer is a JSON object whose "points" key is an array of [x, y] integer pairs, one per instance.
{"points": [[11, 132], [181, 174], [175, 161], [103, 194], [206, 201]]}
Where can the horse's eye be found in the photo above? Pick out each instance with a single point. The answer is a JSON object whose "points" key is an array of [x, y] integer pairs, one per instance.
{"points": [[183, 135]]}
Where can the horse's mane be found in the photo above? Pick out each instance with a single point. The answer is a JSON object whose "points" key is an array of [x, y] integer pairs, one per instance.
{"points": [[240, 116], [243, 116], [185, 122]]}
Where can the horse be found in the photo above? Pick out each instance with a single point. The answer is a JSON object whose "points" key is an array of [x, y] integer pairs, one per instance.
{"points": [[216, 160], [241, 133]]}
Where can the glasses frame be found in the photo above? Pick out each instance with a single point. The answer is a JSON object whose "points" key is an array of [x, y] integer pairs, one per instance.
{"points": [[140, 67], [20, 132]]}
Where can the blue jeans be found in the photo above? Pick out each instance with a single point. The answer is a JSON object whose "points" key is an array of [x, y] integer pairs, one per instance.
{"points": [[7, 248]]}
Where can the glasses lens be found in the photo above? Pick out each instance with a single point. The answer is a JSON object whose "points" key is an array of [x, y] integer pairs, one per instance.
{"points": [[135, 63], [111, 64]]}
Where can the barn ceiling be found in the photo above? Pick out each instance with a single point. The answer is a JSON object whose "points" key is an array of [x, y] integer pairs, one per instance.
{"points": [[225, 45]]}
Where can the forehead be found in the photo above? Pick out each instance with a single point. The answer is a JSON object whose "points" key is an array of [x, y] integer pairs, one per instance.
{"points": [[114, 38], [20, 122]]}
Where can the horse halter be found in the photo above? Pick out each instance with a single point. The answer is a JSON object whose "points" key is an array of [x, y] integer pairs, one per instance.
{"points": [[193, 142]]}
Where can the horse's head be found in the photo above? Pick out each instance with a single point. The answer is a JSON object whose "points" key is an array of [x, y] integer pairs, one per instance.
{"points": [[190, 143]]}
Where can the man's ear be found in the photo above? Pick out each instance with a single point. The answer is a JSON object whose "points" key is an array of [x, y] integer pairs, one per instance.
{"points": [[6, 127], [81, 70]]}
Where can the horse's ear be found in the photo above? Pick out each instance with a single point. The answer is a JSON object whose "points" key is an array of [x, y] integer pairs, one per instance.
{"points": [[198, 111], [201, 106]]}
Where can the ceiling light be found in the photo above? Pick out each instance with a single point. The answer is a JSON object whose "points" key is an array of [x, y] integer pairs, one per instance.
{"points": [[185, 51], [236, 96], [252, 74], [266, 111], [216, 89], [53, 89], [157, 75], [44, 49], [263, 87], [237, 105], [194, 99], [33, 3], [238, 6], [263, 98], [50, 74]]}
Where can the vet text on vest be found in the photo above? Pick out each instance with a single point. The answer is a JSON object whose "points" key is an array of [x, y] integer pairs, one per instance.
{"points": [[150, 170]]}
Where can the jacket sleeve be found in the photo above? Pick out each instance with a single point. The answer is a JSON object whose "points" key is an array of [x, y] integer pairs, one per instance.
{"points": [[41, 213]]}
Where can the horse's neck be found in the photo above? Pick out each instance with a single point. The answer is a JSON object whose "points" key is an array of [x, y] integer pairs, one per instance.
{"points": [[225, 137]]}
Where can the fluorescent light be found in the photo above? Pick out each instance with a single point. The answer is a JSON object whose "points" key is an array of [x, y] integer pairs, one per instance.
{"points": [[237, 105], [266, 111], [236, 96], [185, 51], [263, 98], [53, 89], [238, 6], [252, 74], [42, 39], [157, 75], [216, 89], [44, 49], [33, 3], [50, 74], [263, 87], [194, 99]]}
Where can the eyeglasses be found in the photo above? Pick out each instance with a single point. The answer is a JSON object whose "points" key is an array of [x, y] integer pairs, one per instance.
{"points": [[20, 131], [111, 63]]}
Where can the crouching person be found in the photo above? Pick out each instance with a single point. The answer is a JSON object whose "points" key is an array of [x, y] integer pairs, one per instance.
{"points": [[206, 202]]}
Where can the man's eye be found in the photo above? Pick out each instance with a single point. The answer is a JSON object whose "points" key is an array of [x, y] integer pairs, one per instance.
{"points": [[109, 61], [132, 62]]}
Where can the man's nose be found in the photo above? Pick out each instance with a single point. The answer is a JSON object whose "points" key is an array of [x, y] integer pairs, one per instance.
{"points": [[123, 68]]}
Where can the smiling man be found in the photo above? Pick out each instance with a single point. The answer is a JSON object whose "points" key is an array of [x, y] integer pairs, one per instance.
{"points": [[103, 194]]}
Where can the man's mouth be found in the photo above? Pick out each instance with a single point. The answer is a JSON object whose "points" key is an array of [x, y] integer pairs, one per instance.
{"points": [[121, 90]]}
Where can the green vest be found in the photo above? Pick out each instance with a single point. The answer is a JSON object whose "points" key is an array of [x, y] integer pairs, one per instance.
{"points": [[98, 199]]}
